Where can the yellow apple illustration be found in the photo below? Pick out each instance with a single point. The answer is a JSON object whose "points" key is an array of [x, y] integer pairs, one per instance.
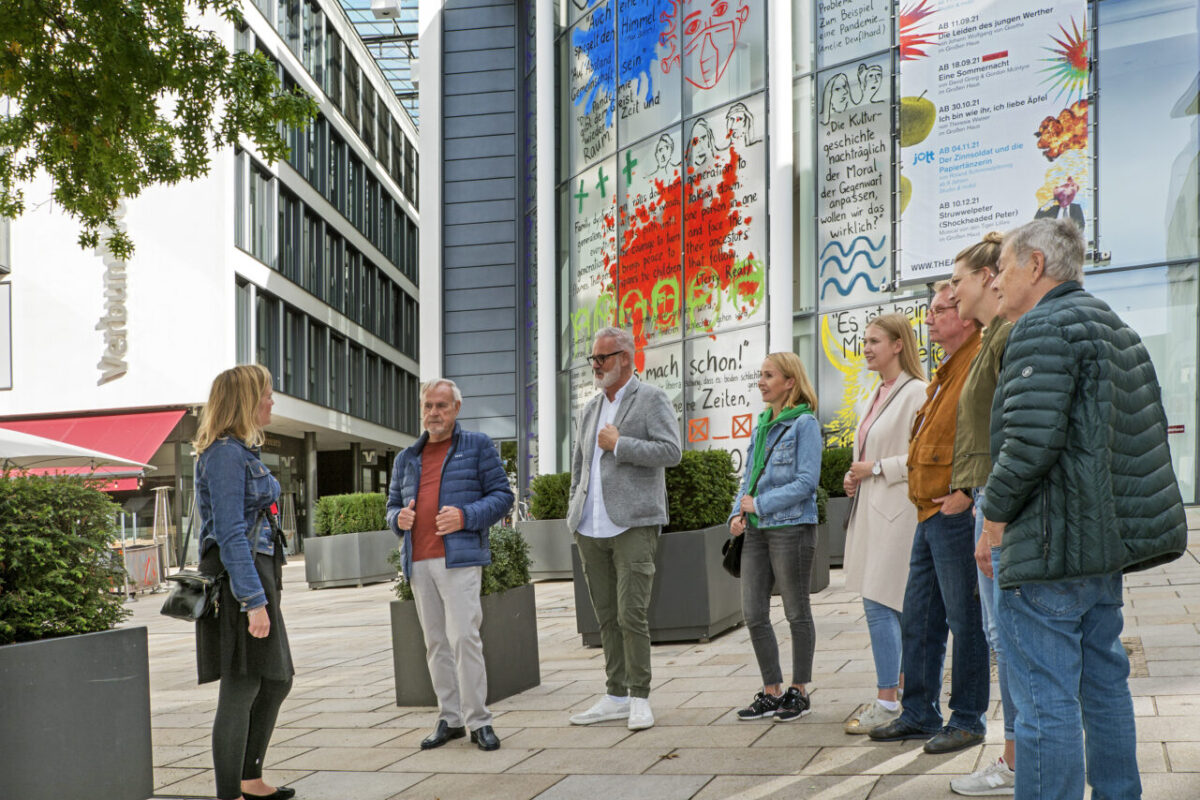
{"points": [[905, 193], [917, 115]]}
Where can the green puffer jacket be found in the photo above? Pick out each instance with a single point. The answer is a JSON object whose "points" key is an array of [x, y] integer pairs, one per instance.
{"points": [[1081, 467]]}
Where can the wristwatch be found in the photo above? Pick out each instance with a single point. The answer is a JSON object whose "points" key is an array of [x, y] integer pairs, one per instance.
{"points": [[877, 468]]}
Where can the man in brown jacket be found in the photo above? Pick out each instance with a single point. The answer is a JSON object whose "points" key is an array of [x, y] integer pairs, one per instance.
{"points": [[942, 586]]}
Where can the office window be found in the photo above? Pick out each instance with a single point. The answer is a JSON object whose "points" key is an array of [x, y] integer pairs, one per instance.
{"points": [[367, 131], [314, 250], [294, 376], [288, 23], [410, 261], [337, 372], [353, 89], [333, 67], [371, 388], [370, 196], [396, 254], [289, 235], [262, 212], [267, 336], [335, 190], [409, 342], [354, 382], [381, 135], [415, 172], [386, 293], [267, 8], [239, 199], [353, 283], [314, 41], [366, 289], [318, 362], [244, 321], [383, 218], [335, 270], [397, 165], [354, 199], [396, 313]]}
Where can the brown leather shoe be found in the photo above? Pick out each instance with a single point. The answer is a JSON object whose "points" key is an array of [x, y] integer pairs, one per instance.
{"points": [[951, 740]]}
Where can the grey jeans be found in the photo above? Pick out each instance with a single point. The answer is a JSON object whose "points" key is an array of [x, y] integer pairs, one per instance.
{"points": [[780, 557]]}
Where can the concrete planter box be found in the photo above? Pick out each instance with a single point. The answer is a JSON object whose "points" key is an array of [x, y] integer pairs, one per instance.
{"points": [[549, 548], [76, 717], [837, 515], [349, 559], [694, 598], [510, 648]]}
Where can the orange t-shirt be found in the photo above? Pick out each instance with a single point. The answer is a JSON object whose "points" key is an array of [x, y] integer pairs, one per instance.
{"points": [[426, 542]]}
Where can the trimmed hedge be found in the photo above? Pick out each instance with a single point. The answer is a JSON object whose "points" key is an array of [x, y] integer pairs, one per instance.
{"points": [[700, 490], [350, 513], [835, 463], [57, 569], [548, 496], [508, 570]]}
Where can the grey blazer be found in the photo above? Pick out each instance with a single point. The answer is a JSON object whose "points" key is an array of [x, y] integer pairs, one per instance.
{"points": [[635, 491]]}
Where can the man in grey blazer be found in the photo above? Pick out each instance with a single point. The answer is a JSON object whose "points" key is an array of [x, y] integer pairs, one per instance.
{"points": [[628, 435]]}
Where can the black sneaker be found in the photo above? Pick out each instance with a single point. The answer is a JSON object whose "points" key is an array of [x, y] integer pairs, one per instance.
{"points": [[792, 705], [764, 705]]}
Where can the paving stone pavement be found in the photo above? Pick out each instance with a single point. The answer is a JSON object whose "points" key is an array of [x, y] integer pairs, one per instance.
{"points": [[340, 734]]}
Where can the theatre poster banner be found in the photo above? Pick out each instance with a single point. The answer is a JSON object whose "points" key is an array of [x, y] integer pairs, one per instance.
{"points": [[663, 189], [993, 123]]}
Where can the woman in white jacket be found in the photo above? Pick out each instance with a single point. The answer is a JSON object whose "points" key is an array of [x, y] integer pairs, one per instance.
{"points": [[882, 520]]}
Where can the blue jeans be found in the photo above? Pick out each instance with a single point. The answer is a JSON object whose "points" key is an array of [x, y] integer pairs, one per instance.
{"points": [[780, 557], [988, 593], [883, 623], [942, 596], [1070, 681]]}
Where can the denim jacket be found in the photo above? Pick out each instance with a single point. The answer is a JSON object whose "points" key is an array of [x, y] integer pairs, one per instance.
{"points": [[787, 491], [232, 486]]}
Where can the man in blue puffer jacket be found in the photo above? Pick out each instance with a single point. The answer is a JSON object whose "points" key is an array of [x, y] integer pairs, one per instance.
{"points": [[447, 491], [1081, 490]]}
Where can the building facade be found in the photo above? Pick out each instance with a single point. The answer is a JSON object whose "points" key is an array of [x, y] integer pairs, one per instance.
{"points": [[308, 266], [730, 179]]}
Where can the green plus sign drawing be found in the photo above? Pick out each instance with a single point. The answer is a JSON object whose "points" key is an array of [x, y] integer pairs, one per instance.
{"points": [[630, 163], [601, 181], [580, 195]]}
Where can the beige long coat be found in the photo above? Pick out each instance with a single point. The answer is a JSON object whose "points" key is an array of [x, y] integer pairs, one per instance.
{"points": [[883, 520]]}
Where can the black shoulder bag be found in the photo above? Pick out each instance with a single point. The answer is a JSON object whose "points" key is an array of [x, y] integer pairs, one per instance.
{"points": [[731, 551], [195, 594]]}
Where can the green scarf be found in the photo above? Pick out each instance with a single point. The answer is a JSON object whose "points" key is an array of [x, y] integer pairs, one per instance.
{"points": [[758, 461]]}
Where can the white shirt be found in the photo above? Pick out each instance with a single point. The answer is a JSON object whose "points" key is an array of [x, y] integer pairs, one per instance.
{"points": [[595, 521]]}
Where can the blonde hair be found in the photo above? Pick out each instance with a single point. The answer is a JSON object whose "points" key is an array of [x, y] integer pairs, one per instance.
{"points": [[232, 407], [897, 327], [983, 254], [792, 367]]}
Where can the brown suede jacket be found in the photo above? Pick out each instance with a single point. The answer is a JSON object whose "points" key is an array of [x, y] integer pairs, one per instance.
{"points": [[931, 449]]}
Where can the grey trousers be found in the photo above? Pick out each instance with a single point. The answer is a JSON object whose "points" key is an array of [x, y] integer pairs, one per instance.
{"points": [[449, 610]]}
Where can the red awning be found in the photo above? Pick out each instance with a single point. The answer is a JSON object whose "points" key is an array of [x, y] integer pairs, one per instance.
{"points": [[133, 436]]}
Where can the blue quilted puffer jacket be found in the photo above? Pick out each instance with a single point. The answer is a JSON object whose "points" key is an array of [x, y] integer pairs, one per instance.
{"points": [[473, 479]]}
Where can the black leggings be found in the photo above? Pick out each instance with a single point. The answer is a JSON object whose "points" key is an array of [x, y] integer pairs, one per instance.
{"points": [[247, 707]]}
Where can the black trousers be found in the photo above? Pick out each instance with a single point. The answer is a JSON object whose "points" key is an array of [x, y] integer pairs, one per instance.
{"points": [[247, 707]]}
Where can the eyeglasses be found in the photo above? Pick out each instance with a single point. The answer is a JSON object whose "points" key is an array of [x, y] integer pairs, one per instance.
{"points": [[598, 361], [935, 311]]}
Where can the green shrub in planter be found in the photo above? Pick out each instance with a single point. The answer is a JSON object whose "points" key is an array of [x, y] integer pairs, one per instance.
{"points": [[508, 570], [835, 463], [700, 490], [56, 568], [351, 513], [549, 495]]}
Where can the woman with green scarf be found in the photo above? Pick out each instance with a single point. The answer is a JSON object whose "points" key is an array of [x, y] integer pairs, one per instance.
{"points": [[776, 510]]}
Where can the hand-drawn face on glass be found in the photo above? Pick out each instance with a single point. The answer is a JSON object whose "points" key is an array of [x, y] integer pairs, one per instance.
{"points": [[709, 30], [702, 149], [739, 126], [663, 150], [835, 98], [869, 80]]}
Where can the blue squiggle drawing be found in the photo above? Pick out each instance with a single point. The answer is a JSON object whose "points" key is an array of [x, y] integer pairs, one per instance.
{"points": [[854, 244], [849, 265], [849, 287], [639, 30], [596, 45]]}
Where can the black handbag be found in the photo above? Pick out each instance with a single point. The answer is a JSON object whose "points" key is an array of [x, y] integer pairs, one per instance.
{"points": [[731, 551], [194, 595]]}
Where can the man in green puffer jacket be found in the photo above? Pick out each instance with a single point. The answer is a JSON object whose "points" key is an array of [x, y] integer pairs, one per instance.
{"points": [[1081, 490]]}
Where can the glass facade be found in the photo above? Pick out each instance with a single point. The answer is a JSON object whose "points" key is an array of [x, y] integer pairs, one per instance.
{"points": [[661, 213]]}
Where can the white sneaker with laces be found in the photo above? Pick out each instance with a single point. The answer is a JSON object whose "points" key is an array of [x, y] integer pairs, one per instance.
{"points": [[640, 715], [871, 717], [606, 709], [995, 778]]}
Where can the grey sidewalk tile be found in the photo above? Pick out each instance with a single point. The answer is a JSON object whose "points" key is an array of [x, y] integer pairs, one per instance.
{"points": [[163, 737], [354, 759], [345, 737], [1184, 757], [664, 738], [479, 787], [584, 761], [1168, 729], [348, 719], [888, 759], [314, 705], [181, 720], [907, 787], [734, 761], [1152, 756], [555, 701], [172, 755], [463, 756], [804, 733], [1179, 705], [203, 784], [625, 787], [1171, 786], [1179, 669], [788, 787], [165, 776], [576, 736], [356, 785]]}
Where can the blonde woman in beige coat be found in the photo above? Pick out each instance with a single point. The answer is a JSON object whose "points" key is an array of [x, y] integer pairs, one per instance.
{"points": [[882, 520]]}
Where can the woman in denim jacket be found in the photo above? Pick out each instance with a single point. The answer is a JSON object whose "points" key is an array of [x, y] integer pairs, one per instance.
{"points": [[776, 510], [245, 646]]}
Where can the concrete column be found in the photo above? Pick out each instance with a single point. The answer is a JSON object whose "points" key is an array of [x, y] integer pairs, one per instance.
{"points": [[429, 27], [310, 484], [779, 115], [356, 466], [547, 399]]}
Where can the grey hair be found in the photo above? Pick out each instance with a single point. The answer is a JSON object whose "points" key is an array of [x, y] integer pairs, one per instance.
{"points": [[622, 337], [1059, 240], [430, 385]]}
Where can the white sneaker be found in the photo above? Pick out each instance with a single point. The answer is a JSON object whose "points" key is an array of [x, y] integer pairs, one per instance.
{"points": [[640, 715], [606, 709], [874, 716], [995, 778]]}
